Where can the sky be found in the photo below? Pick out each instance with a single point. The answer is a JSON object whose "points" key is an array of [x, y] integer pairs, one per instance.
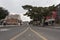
{"points": [[15, 6]]}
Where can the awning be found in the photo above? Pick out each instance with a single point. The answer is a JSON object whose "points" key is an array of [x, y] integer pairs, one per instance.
{"points": [[50, 20]]}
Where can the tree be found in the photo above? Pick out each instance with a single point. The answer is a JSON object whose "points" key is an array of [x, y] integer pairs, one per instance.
{"points": [[38, 13], [3, 13]]}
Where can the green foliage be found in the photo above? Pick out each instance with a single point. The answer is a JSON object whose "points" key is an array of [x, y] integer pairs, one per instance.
{"points": [[3, 13], [27, 7], [38, 13]]}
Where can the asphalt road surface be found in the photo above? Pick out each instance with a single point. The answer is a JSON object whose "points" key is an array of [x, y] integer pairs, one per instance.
{"points": [[28, 35], [6, 33], [48, 33], [29, 32]]}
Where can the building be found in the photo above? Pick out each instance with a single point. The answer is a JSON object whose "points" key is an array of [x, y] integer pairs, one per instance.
{"points": [[55, 14], [12, 19], [16, 16], [58, 13], [58, 10]]}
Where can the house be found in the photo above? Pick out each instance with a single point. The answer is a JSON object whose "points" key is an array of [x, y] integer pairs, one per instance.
{"points": [[12, 19]]}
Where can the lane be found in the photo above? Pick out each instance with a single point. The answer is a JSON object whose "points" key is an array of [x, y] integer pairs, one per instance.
{"points": [[49, 33], [6, 35], [19, 34], [38, 34], [28, 35], [29, 32]]}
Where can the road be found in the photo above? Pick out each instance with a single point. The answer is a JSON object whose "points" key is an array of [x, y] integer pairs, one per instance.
{"points": [[12, 31], [48, 33], [29, 32]]}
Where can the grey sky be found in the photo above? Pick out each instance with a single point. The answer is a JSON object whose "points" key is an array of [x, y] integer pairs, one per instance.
{"points": [[14, 6]]}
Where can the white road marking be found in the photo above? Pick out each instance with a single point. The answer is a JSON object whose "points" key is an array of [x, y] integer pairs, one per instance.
{"points": [[4, 29], [19, 34]]}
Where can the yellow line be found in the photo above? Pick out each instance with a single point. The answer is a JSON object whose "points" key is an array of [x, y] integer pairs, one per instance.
{"points": [[19, 34], [25, 31], [38, 34]]}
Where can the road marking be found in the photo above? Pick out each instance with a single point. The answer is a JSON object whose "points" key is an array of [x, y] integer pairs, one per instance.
{"points": [[19, 34], [38, 34], [25, 31], [5, 29]]}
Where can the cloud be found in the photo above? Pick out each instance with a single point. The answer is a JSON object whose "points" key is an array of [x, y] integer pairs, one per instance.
{"points": [[15, 6], [24, 18]]}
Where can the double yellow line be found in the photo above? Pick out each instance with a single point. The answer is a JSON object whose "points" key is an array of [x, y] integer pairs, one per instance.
{"points": [[38, 34]]}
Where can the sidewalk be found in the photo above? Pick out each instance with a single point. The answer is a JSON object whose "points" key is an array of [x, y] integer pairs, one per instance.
{"points": [[8, 26], [57, 26], [1, 25]]}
